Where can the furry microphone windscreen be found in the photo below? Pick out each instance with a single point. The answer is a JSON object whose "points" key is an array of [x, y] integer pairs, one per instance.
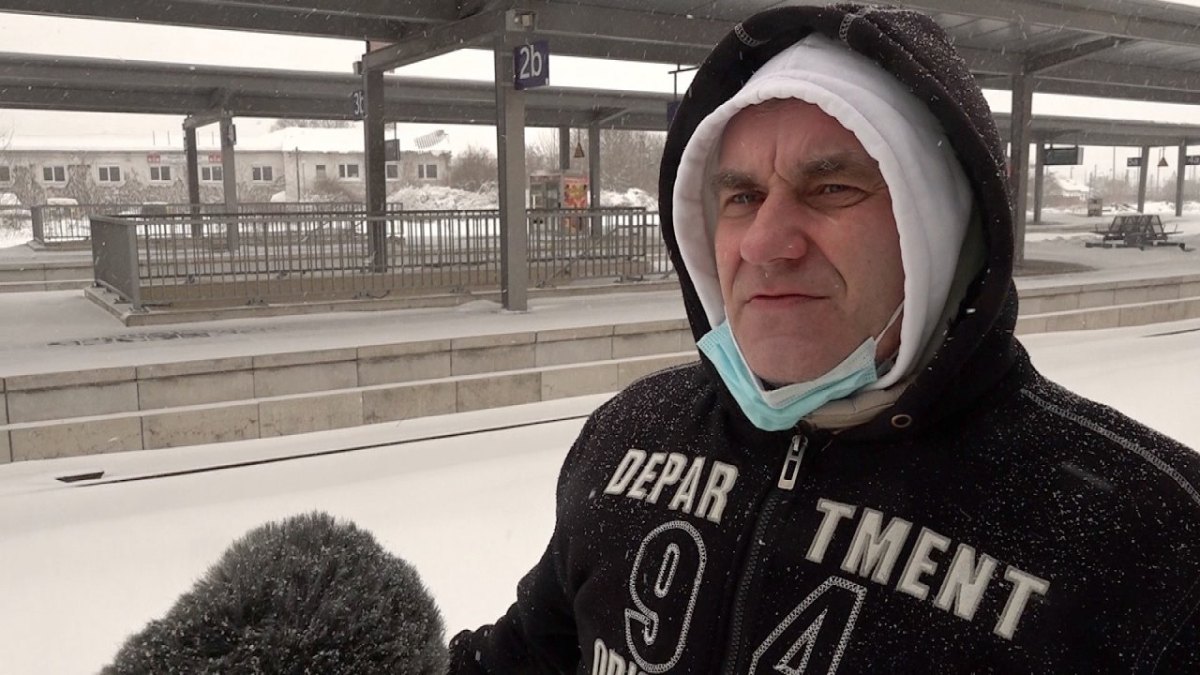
{"points": [[305, 595]]}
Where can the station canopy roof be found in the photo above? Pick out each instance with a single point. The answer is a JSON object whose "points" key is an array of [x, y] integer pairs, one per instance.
{"points": [[1135, 49]]}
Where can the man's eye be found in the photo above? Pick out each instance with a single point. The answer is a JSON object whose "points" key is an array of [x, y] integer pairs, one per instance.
{"points": [[742, 198], [839, 195], [834, 188]]}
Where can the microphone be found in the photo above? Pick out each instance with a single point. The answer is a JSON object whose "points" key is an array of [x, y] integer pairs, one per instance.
{"points": [[304, 595]]}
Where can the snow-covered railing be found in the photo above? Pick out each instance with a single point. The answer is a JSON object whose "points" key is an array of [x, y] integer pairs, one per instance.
{"points": [[213, 259], [64, 224]]}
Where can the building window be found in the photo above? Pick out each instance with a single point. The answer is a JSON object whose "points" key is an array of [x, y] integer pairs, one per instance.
{"points": [[211, 174], [347, 171], [110, 174], [262, 174], [54, 174], [393, 171], [161, 174], [427, 171], [5, 174], [320, 171]]}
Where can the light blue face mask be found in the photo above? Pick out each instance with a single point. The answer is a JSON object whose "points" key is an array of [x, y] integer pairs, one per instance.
{"points": [[783, 408]]}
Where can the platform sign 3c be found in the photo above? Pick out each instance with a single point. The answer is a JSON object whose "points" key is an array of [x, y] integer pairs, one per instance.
{"points": [[531, 65]]}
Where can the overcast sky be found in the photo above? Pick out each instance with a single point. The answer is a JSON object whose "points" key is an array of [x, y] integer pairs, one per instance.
{"points": [[103, 39]]}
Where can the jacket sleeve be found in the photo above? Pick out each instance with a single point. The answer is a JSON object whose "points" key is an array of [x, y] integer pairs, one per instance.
{"points": [[537, 634], [1183, 654]]}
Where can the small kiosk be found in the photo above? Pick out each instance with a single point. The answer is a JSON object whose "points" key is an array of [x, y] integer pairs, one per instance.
{"points": [[555, 190]]}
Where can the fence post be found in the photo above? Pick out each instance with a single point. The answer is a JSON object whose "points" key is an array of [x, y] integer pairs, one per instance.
{"points": [[35, 217]]}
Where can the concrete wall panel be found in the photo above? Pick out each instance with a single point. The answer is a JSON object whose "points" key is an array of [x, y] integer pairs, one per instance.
{"points": [[200, 425], [5, 448], [591, 379], [492, 359], [36, 405], [310, 413], [201, 367], [72, 439], [645, 344], [580, 350], [1089, 299], [403, 368], [494, 392], [169, 392], [302, 379], [408, 401], [1083, 320]]}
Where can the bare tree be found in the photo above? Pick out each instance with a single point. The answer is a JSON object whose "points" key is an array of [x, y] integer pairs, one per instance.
{"points": [[629, 159], [473, 168], [311, 124]]}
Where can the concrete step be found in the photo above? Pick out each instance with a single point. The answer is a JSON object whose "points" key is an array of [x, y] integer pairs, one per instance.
{"points": [[1115, 316], [38, 286], [26, 276], [101, 391], [271, 416]]}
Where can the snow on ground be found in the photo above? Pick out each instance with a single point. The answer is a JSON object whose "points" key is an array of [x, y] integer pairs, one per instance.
{"points": [[85, 566]]}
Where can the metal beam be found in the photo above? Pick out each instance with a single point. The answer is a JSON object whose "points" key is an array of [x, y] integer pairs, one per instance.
{"points": [[1039, 179], [1117, 18], [375, 162], [192, 164], [625, 25], [1180, 173], [247, 16], [1019, 135], [197, 120], [229, 181], [1109, 73], [564, 148], [510, 151], [430, 41], [1143, 173], [1035, 63]]}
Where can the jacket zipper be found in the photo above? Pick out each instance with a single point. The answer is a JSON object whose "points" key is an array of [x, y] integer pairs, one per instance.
{"points": [[787, 480]]}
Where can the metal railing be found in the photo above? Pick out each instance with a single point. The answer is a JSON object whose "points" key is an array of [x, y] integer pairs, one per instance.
{"points": [[69, 223], [188, 259], [14, 217]]}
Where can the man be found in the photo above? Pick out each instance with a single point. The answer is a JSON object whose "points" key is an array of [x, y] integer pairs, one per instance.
{"points": [[864, 473]]}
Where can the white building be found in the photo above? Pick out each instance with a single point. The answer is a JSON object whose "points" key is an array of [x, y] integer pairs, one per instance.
{"points": [[295, 164]]}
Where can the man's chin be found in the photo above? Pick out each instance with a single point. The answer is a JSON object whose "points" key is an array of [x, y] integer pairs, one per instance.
{"points": [[783, 360]]}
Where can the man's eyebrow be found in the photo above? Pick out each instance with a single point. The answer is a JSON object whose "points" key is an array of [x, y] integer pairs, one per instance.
{"points": [[839, 164], [729, 179], [848, 163]]}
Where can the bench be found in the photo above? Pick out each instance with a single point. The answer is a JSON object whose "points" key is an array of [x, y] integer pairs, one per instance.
{"points": [[1135, 231]]}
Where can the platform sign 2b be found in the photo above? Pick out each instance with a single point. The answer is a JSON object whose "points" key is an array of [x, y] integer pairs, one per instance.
{"points": [[1133, 161], [1192, 160], [531, 65]]}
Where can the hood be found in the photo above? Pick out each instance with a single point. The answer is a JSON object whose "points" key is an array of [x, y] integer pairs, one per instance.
{"points": [[976, 346]]}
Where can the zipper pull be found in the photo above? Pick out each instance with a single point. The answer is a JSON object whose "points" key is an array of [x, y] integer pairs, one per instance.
{"points": [[791, 464]]}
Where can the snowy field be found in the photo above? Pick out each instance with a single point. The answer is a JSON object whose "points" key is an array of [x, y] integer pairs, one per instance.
{"points": [[85, 566]]}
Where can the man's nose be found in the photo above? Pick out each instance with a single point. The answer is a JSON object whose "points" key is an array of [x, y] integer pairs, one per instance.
{"points": [[778, 231]]}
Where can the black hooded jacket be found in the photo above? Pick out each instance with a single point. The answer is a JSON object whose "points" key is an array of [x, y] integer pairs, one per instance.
{"points": [[989, 521]]}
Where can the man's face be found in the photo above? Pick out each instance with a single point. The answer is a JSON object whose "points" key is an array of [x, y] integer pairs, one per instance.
{"points": [[807, 250]]}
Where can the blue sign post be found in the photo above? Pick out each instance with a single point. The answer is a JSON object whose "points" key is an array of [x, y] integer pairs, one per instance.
{"points": [[531, 65]]}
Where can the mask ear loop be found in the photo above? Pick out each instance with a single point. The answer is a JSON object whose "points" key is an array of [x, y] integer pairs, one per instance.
{"points": [[886, 366], [891, 321]]}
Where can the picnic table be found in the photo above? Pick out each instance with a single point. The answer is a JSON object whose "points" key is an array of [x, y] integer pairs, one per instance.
{"points": [[1137, 230]]}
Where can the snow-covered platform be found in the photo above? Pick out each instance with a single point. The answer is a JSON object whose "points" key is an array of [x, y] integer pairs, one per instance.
{"points": [[467, 498]]}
